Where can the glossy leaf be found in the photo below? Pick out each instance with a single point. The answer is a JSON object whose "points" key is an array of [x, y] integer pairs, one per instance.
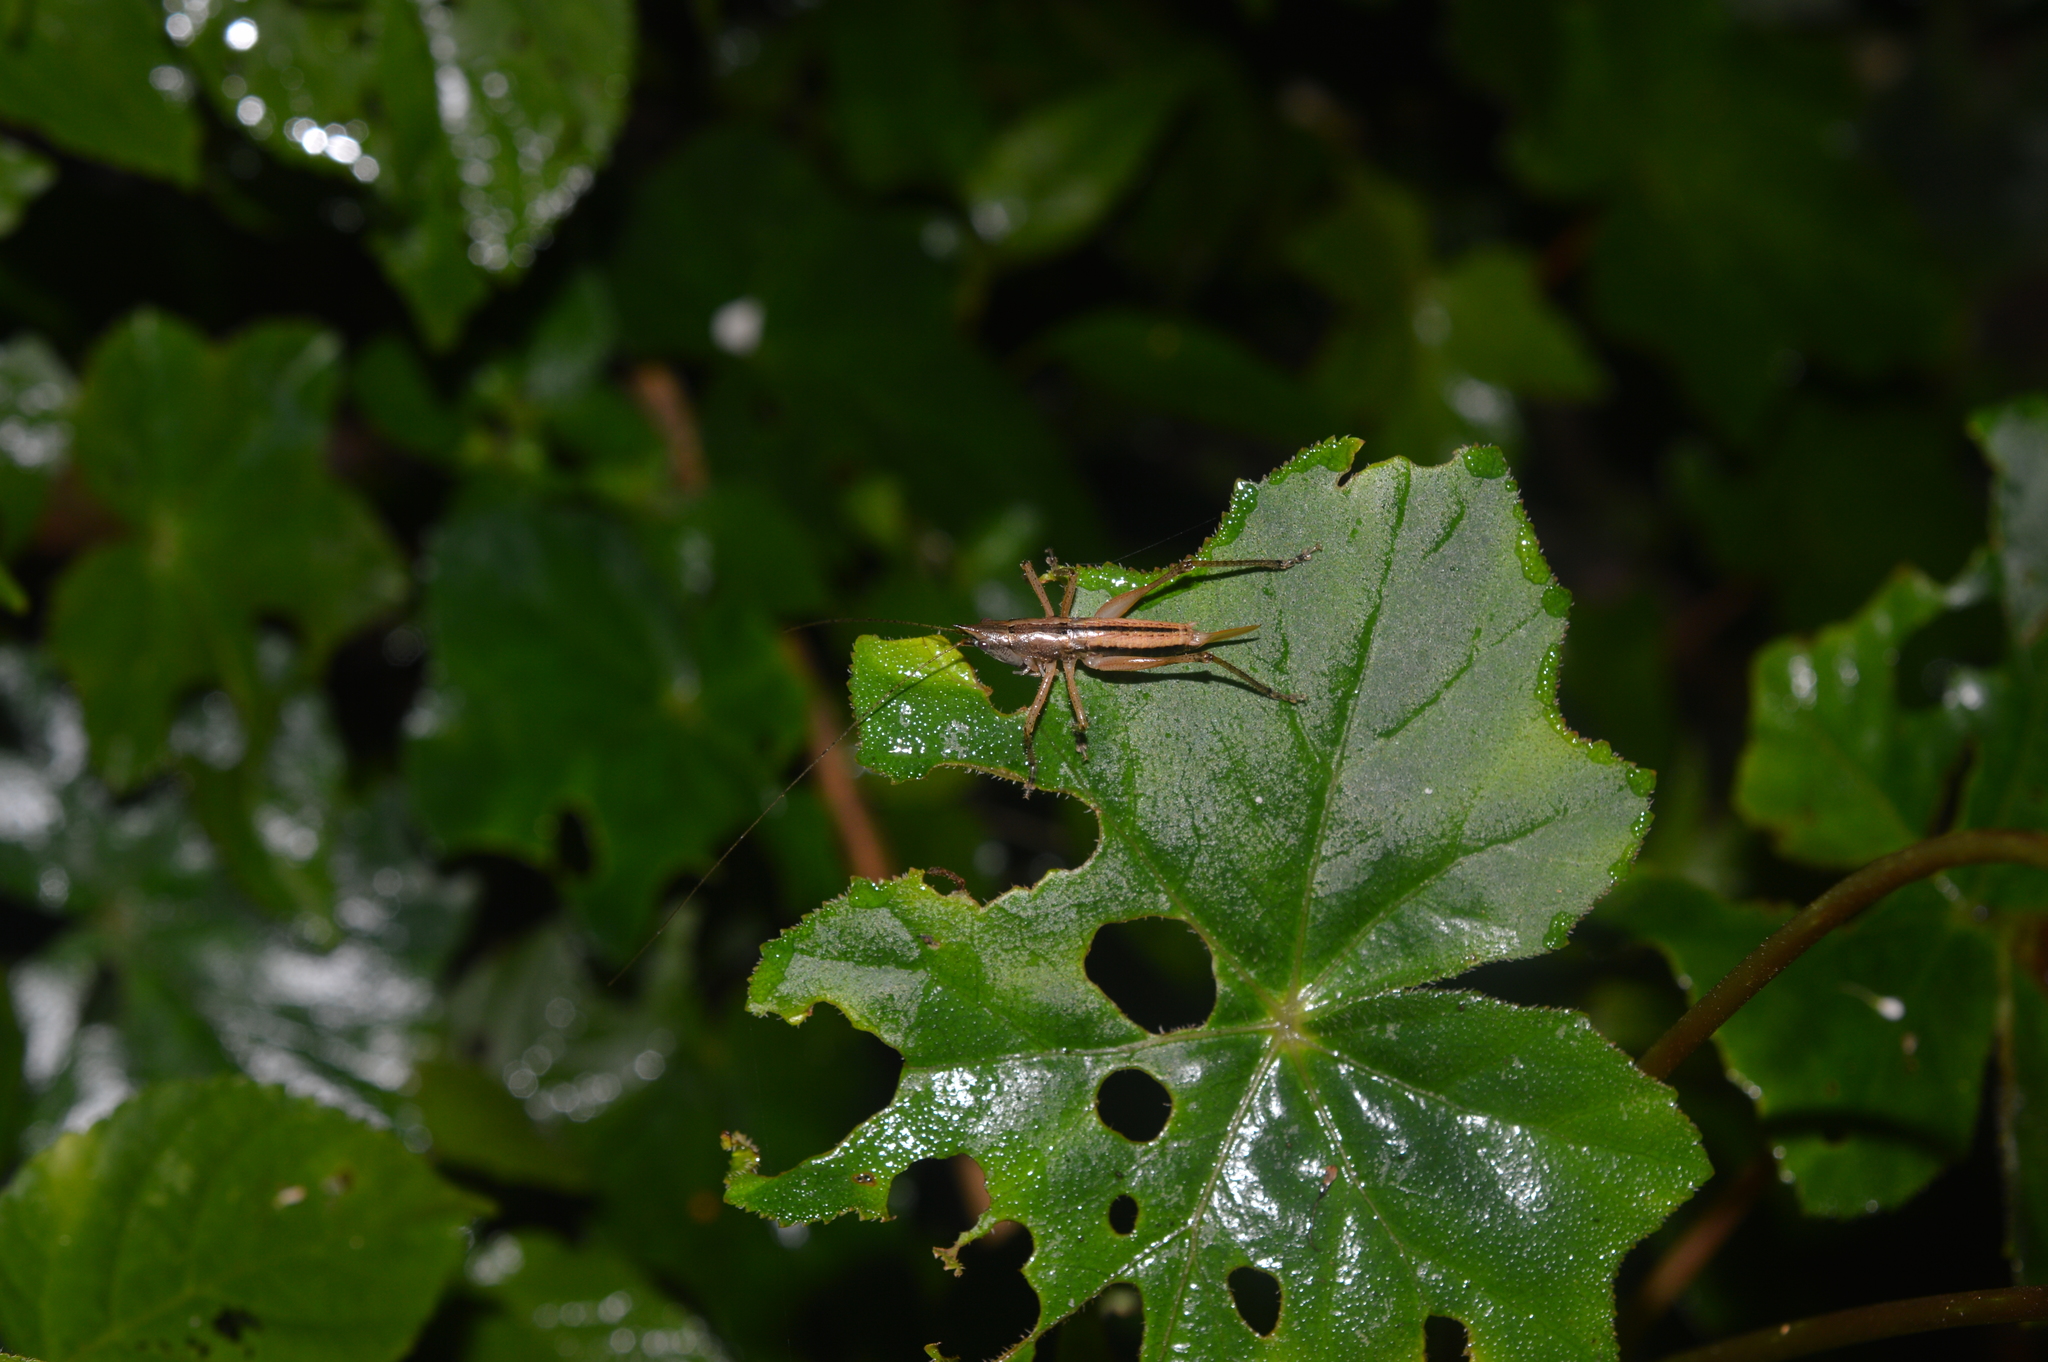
{"points": [[481, 123], [1386, 1153], [212, 456], [1837, 767], [97, 78], [573, 674], [222, 1215], [1893, 1018]]}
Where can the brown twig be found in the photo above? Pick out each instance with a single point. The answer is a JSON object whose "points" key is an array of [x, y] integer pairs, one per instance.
{"points": [[1695, 1248], [666, 401], [1892, 1319], [1837, 906], [860, 840]]}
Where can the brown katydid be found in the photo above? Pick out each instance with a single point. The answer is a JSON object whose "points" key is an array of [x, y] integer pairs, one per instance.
{"points": [[1052, 646]]}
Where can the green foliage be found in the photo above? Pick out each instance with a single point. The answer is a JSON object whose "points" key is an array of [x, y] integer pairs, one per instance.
{"points": [[391, 642], [551, 621], [1322, 1103], [211, 457], [225, 1215], [97, 78]]}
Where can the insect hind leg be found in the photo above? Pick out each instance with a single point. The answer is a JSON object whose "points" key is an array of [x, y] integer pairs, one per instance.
{"points": [[1143, 664]]}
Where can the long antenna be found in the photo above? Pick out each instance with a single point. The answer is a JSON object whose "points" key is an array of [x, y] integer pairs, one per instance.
{"points": [[769, 808]]}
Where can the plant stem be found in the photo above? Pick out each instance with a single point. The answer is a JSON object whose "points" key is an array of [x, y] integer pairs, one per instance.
{"points": [[1837, 906], [1696, 1247], [1892, 1319]]}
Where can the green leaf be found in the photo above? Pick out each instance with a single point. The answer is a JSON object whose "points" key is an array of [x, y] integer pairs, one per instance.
{"points": [[1187, 369], [481, 123], [1053, 174], [1386, 1151], [97, 78], [224, 1215], [476, 1124], [584, 1303], [1500, 329], [23, 176], [569, 676], [1893, 1018], [2015, 441], [213, 456], [1837, 767]]}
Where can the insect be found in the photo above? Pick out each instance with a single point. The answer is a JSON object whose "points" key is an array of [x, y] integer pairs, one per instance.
{"points": [[1055, 644], [1050, 647]]}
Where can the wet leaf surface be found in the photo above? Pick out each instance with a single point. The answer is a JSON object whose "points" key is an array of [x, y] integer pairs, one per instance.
{"points": [[1387, 1152], [222, 1216]]}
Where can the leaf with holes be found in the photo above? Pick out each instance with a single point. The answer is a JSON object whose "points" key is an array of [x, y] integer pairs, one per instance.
{"points": [[1375, 1150]]}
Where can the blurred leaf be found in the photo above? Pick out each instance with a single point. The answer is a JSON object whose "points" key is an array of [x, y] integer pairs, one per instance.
{"points": [[1737, 232], [23, 176], [904, 103], [476, 1124], [221, 1214], [212, 455], [2015, 441], [568, 678], [97, 78], [841, 350], [1421, 639], [37, 394], [1833, 500], [1836, 767], [393, 389], [1499, 328], [583, 1303], [334, 1005], [1893, 1017], [1187, 369], [481, 122], [1369, 251], [1049, 178]]}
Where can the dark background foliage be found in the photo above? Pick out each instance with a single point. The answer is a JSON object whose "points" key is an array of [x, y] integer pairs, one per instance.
{"points": [[423, 544]]}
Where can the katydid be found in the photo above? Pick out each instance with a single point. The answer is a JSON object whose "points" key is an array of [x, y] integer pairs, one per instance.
{"points": [[1052, 646]]}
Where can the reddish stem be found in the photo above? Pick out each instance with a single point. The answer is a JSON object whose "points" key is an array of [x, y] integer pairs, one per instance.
{"points": [[1892, 1319], [1837, 906]]}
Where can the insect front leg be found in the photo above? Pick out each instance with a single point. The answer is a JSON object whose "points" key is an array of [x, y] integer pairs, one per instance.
{"points": [[1048, 675], [1038, 588], [1080, 715], [1144, 664]]}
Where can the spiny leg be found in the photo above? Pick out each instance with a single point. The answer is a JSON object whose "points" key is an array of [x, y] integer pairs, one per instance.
{"points": [[1143, 664], [1031, 728], [1038, 588], [1080, 715], [1116, 607]]}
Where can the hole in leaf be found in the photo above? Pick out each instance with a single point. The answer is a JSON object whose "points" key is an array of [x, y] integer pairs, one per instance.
{"points": [[1134, 1104], [990, 1306], [1256, 1294], [941, 1197], [1123, 1214], [572, 843], [1109, 1328], [1444, 1340], [1157, 970]]}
